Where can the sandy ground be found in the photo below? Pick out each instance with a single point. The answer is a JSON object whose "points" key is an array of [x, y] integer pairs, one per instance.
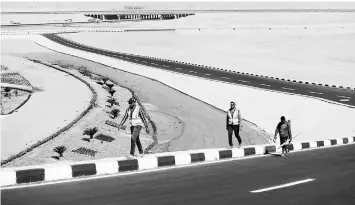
{"points": [[12, 104], [41, 18], [52, 107], [321, 53], [314, 118], [107, 142]]}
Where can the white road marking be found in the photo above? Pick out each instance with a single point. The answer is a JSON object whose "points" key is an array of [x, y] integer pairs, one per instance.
{"points": [[127, 58], [344, 100], [153, 63], [136, 59], [265, 85], [226, 78], [287, 88], [342, 96], [244, 81], [315, 93], [283, 185], [144, 61], [178, 68], [207, 74]]}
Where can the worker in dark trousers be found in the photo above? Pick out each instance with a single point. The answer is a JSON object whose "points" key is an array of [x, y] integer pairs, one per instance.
{"points": [[137, 120], [284, 131], [234, 123]]}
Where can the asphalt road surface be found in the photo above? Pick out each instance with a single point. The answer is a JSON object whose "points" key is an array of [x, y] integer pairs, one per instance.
{"points": [[331, 169], [344, 97]]}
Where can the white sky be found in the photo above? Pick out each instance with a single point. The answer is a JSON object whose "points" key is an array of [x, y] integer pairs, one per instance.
{"points": [[109, 5]]}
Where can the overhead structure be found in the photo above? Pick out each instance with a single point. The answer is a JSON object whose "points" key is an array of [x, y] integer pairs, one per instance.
{"points": [[138, 16]]}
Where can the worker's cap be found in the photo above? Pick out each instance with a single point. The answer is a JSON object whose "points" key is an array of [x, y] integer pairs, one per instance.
{"points": [[131, 100]]}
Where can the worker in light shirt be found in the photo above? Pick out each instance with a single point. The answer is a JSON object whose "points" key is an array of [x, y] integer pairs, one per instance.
{"points": [[234, 123], [137, 120]]}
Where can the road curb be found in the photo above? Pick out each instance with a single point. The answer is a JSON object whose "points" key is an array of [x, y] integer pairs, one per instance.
{"points": [[71, 170]]}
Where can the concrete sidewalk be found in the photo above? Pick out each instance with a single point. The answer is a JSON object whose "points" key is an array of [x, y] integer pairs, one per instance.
{"points": [[60, 99]]}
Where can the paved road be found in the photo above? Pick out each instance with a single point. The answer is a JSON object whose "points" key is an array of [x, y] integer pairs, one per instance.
{"points": [[333, 171], [344, 97]]}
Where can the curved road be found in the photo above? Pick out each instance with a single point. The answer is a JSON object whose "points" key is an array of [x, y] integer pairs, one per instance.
{"points": [[321, 176], [332, 171], [345, 97]]}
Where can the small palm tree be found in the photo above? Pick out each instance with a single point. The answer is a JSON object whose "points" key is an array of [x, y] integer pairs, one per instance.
{"points": [[112, 92], [91, 132], [115, 112], [104, 80], [60, 150], [112, 101], [110, 86]]}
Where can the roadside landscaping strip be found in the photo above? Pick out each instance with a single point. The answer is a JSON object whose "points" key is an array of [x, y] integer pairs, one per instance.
{"points": [[54, 172], [92, 102]]}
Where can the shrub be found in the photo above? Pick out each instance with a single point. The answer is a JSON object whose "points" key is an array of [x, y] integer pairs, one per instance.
{"points": [[60, 150], [4, 67], [104, 80], [115, 112], [7, 92], [91, 132], [86, 151], [83, 70], [112, 92], [110, 86], [112, 101]]}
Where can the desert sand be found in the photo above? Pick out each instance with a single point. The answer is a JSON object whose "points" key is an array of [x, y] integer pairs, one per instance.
{"points": [[314, 47], [52, 107]]}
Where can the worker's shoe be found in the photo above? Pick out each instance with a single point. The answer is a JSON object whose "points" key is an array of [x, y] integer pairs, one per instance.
{"points": [[131, 156]]}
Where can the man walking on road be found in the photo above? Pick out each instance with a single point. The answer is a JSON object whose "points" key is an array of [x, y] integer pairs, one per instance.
{"points": [[234, 120], [137, 120], [284, 131]]}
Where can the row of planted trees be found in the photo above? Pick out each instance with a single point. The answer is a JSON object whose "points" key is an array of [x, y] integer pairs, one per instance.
{"points": [[114, 114]]}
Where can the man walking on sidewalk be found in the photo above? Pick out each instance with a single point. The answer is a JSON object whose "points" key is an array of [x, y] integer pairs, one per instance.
{"points": [[137, 120], [284, 131], [234, 120]]}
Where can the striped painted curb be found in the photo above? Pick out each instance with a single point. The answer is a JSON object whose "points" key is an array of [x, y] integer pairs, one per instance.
{"points": [[62, 171]]}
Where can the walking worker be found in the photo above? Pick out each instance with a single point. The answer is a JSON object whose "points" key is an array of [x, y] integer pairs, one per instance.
{"points": [[234, 123], [137, 120], [284, 131]]}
